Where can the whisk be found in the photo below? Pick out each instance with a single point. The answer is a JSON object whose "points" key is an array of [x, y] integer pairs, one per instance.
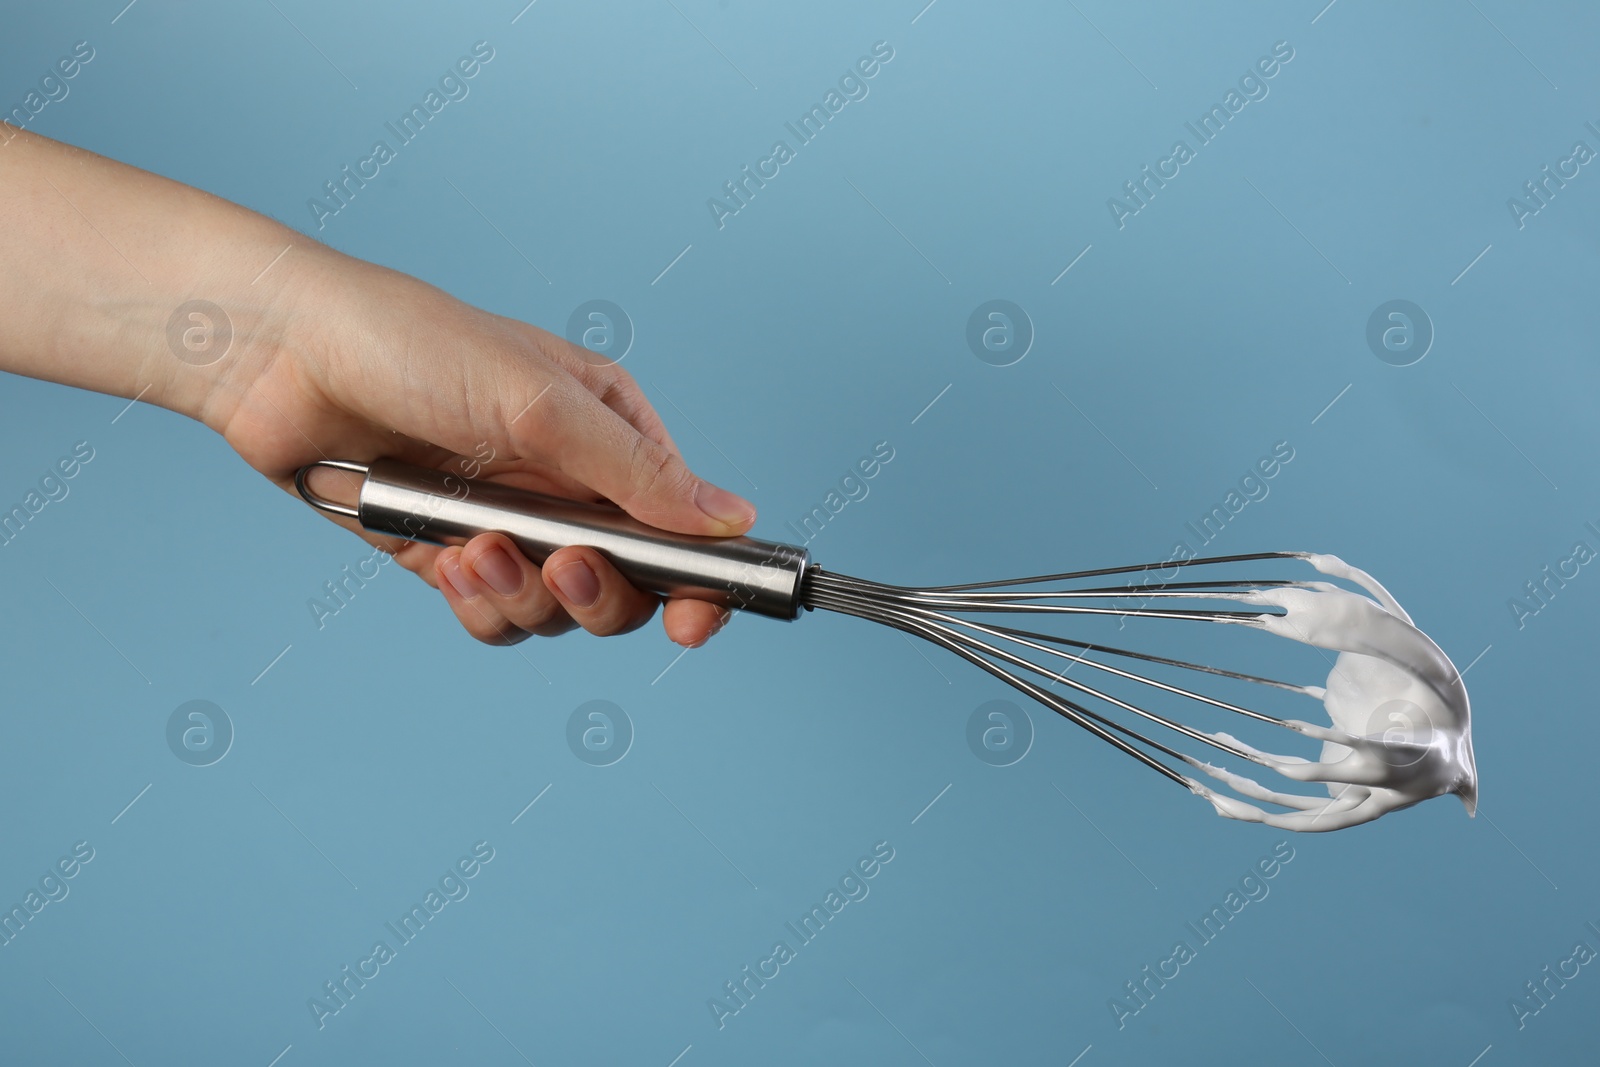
{"points": [[1388, 673]]}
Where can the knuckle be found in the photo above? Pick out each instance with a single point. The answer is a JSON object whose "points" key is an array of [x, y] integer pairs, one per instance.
{"points": [[492, 632], [540, 613], [652, 467], [488, 627], [559, 623], [546, 406], [587, 367], [617, 616], [506, 637], [612, 383]]}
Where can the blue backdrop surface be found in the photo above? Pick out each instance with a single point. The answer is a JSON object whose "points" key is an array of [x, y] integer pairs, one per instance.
{"points": [[1173, 318]]}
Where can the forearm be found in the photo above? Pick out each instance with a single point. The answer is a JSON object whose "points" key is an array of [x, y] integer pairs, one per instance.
{"points": [[96, 257]]}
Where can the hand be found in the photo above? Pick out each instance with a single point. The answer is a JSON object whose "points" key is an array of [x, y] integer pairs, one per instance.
{"points": [[449, 386], [335, 358]]}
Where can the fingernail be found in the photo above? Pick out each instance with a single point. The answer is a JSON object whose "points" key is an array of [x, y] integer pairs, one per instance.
{"points": [[499, 571], [577, 583], [728, 508], [458, 579]]}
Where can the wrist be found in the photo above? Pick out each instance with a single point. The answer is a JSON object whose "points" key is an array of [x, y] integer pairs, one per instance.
{"points": [[309, 328], [247, 308]]}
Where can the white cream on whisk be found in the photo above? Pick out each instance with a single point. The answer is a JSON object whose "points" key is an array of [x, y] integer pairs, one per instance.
{"points": [[1402, 728]]}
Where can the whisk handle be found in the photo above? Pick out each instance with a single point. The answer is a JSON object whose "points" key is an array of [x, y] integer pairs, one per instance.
{"points": [[438, 507]]}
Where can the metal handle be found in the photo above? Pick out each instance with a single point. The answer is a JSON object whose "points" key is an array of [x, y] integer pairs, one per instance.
{"points": [[437, 507]]}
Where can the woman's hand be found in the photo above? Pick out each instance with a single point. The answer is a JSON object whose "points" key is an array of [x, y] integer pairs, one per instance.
{"points": [[334, 358], [378, 364]]}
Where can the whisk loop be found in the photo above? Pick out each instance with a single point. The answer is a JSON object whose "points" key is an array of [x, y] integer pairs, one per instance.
{"points": [[1374, 774]]}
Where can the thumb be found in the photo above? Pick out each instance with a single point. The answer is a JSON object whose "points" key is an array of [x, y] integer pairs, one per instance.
{"points": [[589, 441]]}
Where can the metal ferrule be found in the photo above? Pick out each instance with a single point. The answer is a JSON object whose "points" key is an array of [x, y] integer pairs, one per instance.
{"points": [[437, 507]]}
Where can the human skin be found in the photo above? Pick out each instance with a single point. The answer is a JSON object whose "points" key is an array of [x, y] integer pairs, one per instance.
{"points": [[333, 357]]}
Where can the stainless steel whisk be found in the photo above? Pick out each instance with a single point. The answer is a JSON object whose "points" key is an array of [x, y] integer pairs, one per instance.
{"points": [[779, 580]]}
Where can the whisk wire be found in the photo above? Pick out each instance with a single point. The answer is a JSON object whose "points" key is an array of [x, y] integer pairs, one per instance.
{"points": [[1096, 724], [945, 624], [925, 612], [1071, 576]]}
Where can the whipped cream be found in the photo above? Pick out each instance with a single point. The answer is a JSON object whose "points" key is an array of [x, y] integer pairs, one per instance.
{"points": [[1401, 724]]}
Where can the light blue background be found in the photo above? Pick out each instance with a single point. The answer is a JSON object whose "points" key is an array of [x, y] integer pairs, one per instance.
{"points": [[1222, 319]]}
